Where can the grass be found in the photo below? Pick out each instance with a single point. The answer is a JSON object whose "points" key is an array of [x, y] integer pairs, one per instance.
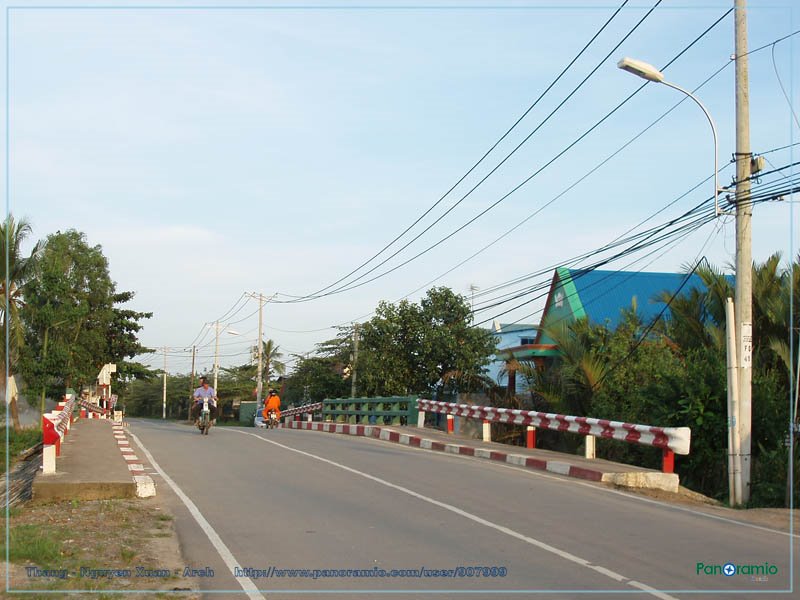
{"points": [[37, 544], [95, 534], [18, 441]]}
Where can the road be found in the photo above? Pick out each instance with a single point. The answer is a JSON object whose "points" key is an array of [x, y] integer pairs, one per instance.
{"points": [[282, 500]]}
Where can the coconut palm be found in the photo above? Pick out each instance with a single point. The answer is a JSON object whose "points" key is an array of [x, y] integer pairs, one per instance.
{"points": [[12, 283], [271, 355]]}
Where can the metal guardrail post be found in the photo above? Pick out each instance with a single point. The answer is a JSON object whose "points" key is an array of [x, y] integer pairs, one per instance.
{"points": [[667, 461], [530, 437]]}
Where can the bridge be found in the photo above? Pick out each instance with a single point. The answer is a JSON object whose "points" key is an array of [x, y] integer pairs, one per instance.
{"points": [[293, 513]]}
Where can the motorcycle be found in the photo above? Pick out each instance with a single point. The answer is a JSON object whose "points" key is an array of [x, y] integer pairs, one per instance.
{"points": [[272, 419], [204, 423]]}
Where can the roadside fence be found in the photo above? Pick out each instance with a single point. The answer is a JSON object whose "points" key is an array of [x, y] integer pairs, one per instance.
{"points": [[671, 440], [55, 427]]}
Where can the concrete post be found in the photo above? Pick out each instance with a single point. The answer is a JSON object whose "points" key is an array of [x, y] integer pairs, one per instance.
{"points": [[590, 448], [49, 459]]}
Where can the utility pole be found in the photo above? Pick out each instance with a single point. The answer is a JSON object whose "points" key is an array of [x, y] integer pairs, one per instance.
{"points": [[355, 361], [216, 354], [216, 351], [191, 382], [472, 288], [744, 259], [164, 395], [259, 378]]}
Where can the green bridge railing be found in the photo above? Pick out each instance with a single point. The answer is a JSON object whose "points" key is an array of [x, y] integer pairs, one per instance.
{"points": [[387, 410]]}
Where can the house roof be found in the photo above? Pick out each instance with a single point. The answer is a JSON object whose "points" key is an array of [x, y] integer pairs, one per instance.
{"points": [[514, 327], [601, 295]]}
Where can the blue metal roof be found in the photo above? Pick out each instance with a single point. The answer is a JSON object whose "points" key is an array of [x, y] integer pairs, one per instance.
{"points": [[604, 294]]}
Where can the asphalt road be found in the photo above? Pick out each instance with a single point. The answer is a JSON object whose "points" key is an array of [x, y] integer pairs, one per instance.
{"points": [[304, 513]]}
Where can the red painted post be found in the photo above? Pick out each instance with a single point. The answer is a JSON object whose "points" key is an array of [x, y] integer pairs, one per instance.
{"points": [[83, 413], [531, 437], [668, 461], [450, 423]]}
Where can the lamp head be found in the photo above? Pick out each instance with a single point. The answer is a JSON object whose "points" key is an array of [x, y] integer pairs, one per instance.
{"points": [[641, 69]]}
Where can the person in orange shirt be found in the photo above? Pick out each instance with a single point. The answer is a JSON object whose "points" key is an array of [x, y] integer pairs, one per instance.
{"points": [[273, 402]]}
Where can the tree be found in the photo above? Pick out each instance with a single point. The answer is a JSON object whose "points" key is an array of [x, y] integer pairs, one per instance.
{"points": [[20, 270], [272, 355], [72, 327], [428, 348], [315, 378]]}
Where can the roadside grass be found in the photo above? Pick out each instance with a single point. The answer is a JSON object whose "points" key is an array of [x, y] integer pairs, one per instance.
{"points": [[86, 539], [16, 442], [35, 544]]}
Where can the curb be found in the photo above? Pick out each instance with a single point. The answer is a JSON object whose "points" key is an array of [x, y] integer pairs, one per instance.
{"points": [[145, 486], [634, 479]]}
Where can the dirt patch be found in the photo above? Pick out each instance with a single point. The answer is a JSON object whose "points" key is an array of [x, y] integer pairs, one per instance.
{"points": [[95, 546], [773, 518]]}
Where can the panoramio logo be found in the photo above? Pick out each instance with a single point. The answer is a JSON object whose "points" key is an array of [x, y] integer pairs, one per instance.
{"points": [[731, 569]]}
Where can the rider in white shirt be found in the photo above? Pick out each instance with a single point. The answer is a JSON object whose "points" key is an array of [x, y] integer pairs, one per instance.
{"points": [[204, 391]]}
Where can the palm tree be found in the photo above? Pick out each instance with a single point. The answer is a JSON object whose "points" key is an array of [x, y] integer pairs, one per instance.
{"points": [[19, 271], [272, 359], [583, 365]]}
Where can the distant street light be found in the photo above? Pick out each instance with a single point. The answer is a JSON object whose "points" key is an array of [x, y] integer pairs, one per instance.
{"points": [[650, 73]]}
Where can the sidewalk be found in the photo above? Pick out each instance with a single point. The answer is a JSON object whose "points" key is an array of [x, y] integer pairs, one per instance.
{"points": [[558, 463], [92, 466]]}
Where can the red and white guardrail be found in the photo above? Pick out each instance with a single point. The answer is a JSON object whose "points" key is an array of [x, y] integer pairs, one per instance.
{"points": [[91, 411], [302, 410], [670, 439], [55, 426]]}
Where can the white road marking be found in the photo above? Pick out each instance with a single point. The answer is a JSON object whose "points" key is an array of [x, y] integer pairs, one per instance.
{"points": [[247, 584], [593, 486], [501, 528]]}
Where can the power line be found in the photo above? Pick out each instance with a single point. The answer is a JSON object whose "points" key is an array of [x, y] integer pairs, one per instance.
{"points": [[319, 292], [353, 285]]}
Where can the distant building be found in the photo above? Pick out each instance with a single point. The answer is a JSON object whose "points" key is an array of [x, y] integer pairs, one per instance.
{"points": [[600, 297], [512, 335]]}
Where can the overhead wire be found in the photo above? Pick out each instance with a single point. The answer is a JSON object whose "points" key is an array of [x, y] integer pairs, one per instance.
{"points": [[764, 193], [353, 285], [474, 166]]}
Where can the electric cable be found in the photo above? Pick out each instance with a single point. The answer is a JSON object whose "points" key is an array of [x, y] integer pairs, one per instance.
{"points": [[354, 285], [474, 166]]}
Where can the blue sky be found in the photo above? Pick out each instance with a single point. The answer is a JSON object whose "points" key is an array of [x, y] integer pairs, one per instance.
{"points": [[216, 151]]}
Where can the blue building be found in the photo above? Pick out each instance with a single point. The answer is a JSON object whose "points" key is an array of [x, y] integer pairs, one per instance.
{"points": [[599, 296], [509, 336]]}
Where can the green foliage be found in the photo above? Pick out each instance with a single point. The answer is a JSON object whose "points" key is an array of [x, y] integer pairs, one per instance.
{"points": [[18, 441], [429, 348], [72, 326], [34, 544], [677, 376], [20, 270], [314, 379]]}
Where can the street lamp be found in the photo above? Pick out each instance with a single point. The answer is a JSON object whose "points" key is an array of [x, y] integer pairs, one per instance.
{"points": [[739, 418], [216, 349], [650, 73]]}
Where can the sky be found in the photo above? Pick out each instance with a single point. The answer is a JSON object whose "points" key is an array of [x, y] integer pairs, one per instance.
{"points": [[217, 149]]}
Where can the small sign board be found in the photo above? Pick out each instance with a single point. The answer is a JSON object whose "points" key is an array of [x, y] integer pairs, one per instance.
{"points": [[746, 350]]}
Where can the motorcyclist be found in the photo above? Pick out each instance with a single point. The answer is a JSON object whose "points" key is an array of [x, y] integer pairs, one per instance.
{"points": [[273, 402], [205, 391]]}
